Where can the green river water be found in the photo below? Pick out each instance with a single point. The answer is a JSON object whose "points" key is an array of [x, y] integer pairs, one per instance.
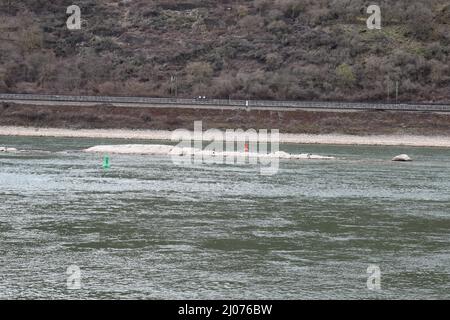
{"points": [[147, 228]]}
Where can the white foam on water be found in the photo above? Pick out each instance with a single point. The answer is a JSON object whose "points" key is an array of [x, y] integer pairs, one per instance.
{"points": [[154, 149]]}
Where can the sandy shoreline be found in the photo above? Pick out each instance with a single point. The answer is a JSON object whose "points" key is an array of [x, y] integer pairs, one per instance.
{"points": [[338, 139]]}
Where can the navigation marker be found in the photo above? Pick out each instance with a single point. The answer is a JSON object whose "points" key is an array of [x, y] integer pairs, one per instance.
{"points": [[106, 164]]}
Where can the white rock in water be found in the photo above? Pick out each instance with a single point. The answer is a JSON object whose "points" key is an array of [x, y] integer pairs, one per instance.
{"points": [[311, 156], [132, 149], [7, 149], [402, 157], [178, 151]]}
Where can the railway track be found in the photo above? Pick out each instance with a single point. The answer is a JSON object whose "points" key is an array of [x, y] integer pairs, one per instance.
{"points": [[216, 103]]}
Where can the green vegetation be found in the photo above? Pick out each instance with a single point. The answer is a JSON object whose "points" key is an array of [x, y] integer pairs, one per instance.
{"points": [[255, 49]]}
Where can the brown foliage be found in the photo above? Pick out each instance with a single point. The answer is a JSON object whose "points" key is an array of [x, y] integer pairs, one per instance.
{"points": [[260, 49]]}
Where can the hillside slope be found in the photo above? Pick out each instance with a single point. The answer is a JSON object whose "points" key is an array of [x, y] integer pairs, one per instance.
{"points": [[257, 49]]}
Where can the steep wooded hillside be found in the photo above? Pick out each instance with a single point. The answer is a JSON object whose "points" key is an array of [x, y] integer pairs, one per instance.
{"points": [[258, 49]]}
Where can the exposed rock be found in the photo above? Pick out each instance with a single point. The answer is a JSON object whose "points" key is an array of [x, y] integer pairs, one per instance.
{"points": [[153, 149], [402, 157]]}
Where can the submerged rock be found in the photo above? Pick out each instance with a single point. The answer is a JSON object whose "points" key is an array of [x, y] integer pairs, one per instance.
{"points": [[402, 157]]}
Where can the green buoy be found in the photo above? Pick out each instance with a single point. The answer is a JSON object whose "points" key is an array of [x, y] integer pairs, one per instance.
{"points": [[106, 164]]}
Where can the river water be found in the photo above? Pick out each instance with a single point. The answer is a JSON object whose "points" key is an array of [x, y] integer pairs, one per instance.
{"points": [[147, 228]]}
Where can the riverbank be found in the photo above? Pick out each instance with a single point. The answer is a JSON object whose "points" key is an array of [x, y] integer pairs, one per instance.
{"points": [[304, 122], [338, 139]]}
